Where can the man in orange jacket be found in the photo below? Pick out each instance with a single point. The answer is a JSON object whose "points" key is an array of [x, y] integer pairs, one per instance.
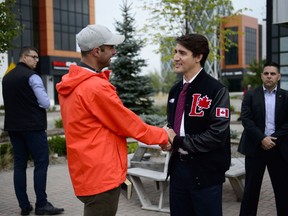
{"points": [[96, 124]]}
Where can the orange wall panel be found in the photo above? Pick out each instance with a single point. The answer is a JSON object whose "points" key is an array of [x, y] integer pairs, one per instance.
{"points": [[240, 21], [47, 29]]}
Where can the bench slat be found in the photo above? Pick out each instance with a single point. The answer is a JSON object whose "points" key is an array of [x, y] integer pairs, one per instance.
{"points": [[150, 174]]}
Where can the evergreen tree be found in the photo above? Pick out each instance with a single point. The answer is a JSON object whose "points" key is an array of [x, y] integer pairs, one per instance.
{"points": [[133, 89]]}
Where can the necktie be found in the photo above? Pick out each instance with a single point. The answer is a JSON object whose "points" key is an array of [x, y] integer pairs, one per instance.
{"points": [[180, 109]]}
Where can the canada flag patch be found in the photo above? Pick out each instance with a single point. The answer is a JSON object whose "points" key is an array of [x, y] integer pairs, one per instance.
{"points": [[222, 112]]}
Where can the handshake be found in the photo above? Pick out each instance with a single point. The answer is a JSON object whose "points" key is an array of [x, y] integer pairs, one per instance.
{"points": [[171, 134]]}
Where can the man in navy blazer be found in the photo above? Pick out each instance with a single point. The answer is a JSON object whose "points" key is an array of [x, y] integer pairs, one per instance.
{"points": [[264, 141]]}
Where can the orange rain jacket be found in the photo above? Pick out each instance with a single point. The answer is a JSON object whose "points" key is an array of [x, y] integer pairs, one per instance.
{"points": [[96, 125]]}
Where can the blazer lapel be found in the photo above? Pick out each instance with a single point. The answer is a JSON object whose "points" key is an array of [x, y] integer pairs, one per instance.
{"points": [[261, 99], [279, 101]]}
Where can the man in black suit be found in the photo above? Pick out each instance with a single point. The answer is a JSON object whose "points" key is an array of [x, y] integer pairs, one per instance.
{"points": [[264, 141]]}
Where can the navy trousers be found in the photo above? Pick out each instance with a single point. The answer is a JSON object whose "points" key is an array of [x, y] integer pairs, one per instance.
{"points": [[32, 143], [186, 199], [278, 171]]}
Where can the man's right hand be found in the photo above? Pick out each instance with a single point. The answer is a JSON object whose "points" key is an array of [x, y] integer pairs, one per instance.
{"points": [[268, 142]]}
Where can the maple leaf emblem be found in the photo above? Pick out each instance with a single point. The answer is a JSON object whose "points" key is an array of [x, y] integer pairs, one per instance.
{"points": [[204, 103]]}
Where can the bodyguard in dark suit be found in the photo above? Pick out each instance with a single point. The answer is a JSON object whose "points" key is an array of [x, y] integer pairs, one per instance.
{"points": [[264, 141]]}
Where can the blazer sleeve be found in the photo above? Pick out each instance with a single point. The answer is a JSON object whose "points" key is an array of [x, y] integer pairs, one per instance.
{"points": [[281, 120], [251, 115]]}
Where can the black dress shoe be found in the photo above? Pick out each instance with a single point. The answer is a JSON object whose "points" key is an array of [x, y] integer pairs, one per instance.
{"points": [[26, 211], [48, 209]]}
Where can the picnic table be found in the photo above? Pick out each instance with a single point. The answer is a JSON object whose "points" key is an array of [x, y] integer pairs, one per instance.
{"points": [[141, 168]]}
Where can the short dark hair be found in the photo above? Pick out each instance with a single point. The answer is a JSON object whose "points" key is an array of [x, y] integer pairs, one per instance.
{"points": [[197, 44], [272, 64], [85, 53], [26, 50]]}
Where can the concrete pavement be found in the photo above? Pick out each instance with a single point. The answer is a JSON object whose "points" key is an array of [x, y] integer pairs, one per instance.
{"points": [[60, 193]]}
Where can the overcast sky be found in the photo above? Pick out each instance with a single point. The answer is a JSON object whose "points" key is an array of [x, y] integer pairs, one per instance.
{"points": [[107, 11]]}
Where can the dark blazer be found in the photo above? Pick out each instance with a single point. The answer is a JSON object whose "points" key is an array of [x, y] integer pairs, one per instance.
{"points": [[253, 121]]}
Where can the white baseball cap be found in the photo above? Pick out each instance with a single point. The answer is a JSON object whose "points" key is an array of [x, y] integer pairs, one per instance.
{"points": [[97, 35]]}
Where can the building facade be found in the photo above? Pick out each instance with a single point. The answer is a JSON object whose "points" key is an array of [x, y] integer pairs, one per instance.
{"points": [[51, 26], [279, 39], [245, 49]]}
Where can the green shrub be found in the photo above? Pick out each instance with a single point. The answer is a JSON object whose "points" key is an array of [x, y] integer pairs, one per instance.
{"points": [[160, 110], [233, 134], [57, 144], [58, 123], [232, 108], [155, 120], [5, 148], [6, 156], [132, 147]]}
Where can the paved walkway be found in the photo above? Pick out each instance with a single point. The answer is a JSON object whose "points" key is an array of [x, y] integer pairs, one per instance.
{"points": [[60, 193]]}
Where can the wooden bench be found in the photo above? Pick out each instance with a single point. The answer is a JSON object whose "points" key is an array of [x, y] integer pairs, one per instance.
{"points": [[136, 173], [236, 175]]}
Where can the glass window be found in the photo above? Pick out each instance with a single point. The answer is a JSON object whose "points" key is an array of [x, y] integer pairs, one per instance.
{"points": [[56, 4], [85, 20], [64, 4], [275, 30], [25, 2], [27, 40], [250, 45], [283, 58], [78, 20], [57, 40], [284, 82], [72, 5], [231, 56], [283, 44], [69, 19], [64, 28], [85, 7], [65, 41], [72, 43], [56, 14], [57, 27], [25, 12], [283, 30], [275, 57], [27, 24], [284, 70], [71, 16], [79, 6], [72, 29], [64, 17], [275, 46]]}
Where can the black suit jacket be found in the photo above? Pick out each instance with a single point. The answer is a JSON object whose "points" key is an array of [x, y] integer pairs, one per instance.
{"points": [[253, 121]]}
